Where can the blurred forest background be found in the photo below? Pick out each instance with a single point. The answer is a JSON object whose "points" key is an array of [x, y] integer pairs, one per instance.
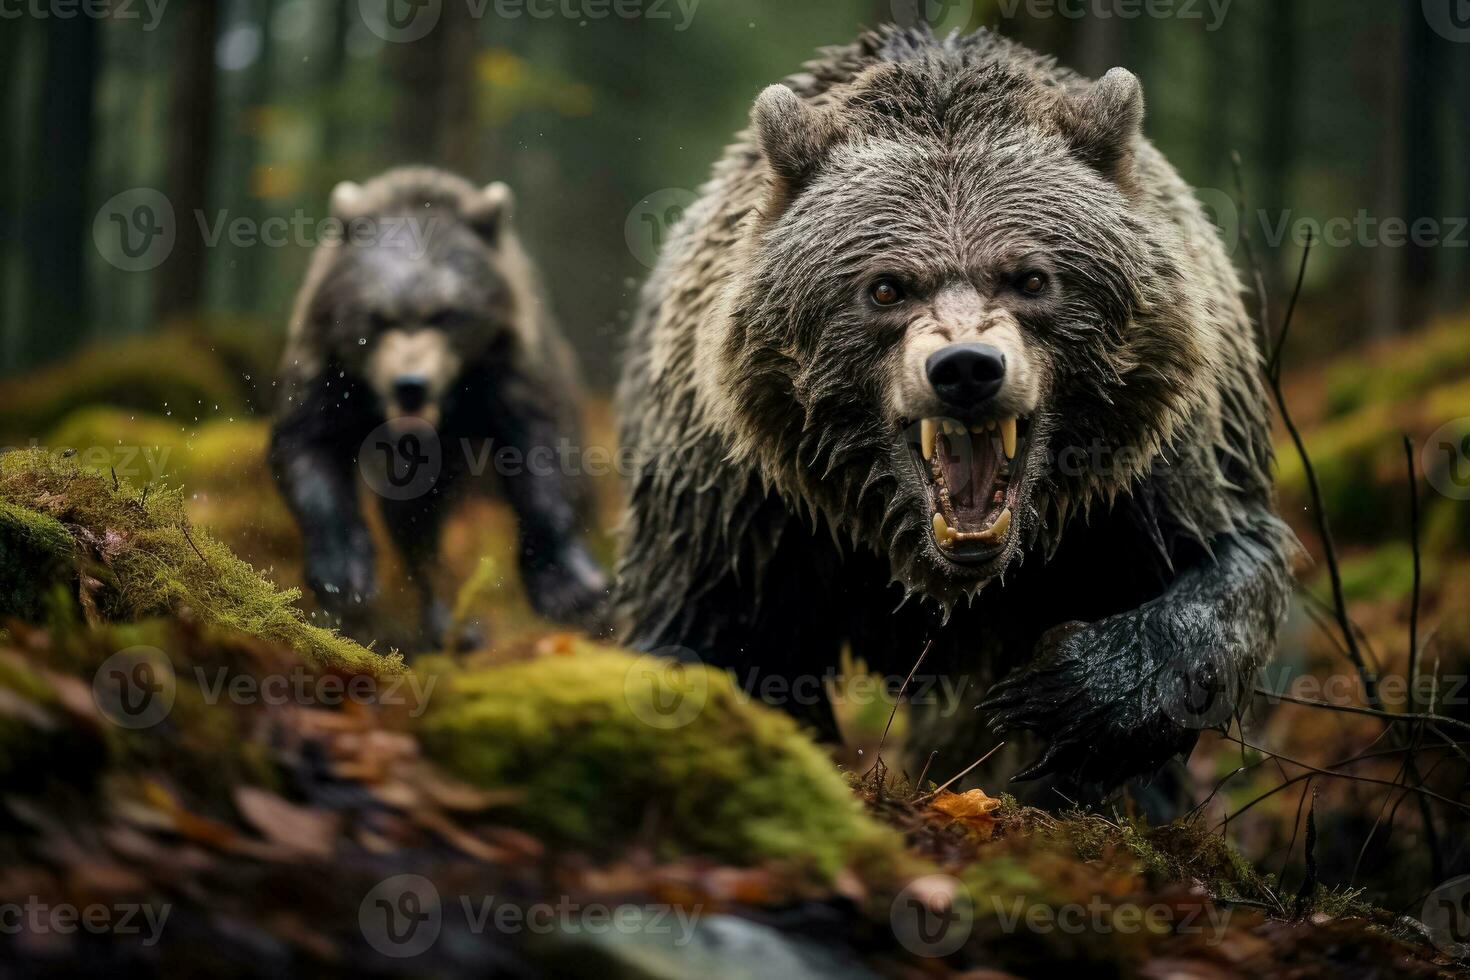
{"points": [[250, 109], [1348, 115]]}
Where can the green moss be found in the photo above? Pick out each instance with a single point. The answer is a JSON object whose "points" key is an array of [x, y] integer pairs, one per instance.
{"points": [[150, 562], [35, 551], [1402, 373], [606, 746], [1385, 573], [178, 371]]}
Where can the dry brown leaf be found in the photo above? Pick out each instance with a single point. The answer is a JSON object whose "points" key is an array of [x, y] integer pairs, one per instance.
{"points": [[972, 810], [305, 829]]}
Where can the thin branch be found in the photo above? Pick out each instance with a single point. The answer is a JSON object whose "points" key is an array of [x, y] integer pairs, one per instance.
{"points": [[1464, 808], [1414, 600], [971, 768], [1354, 709], [878, 753]]}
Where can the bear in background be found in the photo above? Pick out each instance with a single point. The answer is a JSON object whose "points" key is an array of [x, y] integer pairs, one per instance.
{"points": [[420, 349], [947, 353]]}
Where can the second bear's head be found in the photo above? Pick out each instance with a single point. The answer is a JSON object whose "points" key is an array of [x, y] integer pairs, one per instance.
{"points": [[956, 270], [423, 284]]}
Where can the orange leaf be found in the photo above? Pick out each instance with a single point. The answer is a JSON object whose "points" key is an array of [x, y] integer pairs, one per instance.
{"points": [[972, 810]]}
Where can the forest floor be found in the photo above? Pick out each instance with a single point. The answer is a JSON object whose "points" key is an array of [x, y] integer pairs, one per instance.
{"points": [[197, 777]]}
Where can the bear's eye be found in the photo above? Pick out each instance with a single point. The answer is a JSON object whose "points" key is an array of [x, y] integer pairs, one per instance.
{"points": [[1033, 283], [886, 292]]}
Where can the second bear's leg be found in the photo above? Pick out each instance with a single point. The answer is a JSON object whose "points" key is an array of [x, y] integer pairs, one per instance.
{"points": [[415, 526], [562, 579]]}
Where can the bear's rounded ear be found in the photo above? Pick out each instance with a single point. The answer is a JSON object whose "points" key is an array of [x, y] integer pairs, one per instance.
{"points": [[1105, 122], [490, 210], [793, 135], [347, 199]]}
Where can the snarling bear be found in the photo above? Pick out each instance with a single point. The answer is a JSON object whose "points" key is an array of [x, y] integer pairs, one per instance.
{"points": [[419, 345], [948, 355]]}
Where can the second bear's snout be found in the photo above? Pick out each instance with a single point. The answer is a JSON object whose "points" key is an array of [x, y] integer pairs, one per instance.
{"points": [[966, 376]]}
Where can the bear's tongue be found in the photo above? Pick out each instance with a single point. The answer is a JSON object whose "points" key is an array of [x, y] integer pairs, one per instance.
{"points": [[969, 477]]}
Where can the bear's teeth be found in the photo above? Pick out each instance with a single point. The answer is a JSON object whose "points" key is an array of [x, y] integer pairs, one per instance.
{"points": [[1008, 436], [942, 532], [997, 530], [929, 437]]}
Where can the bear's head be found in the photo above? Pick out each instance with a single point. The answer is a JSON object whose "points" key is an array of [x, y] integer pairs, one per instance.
{"points": [[417, 288], [960, 315]]}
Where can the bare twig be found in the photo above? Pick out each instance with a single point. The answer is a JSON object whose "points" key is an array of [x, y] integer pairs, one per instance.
{"points": [[969, 769], [903, 689], [1354, 709], [1414, 600]]}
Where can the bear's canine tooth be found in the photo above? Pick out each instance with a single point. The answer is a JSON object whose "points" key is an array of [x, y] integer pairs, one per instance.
{"points": [[929, 436], [1008, 436], [997, 530], [942, 533]]}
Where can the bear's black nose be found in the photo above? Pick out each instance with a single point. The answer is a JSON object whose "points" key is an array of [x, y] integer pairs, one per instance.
{"points": [[966, 376], [411, 392]]}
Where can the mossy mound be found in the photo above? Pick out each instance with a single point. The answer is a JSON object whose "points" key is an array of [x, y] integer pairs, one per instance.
{"points": [[1399, 372], [608, 748], [177, 371], [136, 556], [214, 460], [36, 551]]}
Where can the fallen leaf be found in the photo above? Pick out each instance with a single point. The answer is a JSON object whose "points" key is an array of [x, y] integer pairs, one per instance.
{"points": [[282, 822], [972, 810]]}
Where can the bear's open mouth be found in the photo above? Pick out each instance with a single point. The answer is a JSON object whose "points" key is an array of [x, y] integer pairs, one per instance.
{"points": [[971, 471]]}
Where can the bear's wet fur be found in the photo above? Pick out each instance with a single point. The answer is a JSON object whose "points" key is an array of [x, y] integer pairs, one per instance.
{"points": [[425, 323], [1138, 575]]}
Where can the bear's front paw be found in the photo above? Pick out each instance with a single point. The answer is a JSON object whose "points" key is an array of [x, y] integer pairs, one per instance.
{"points": [[568, 588], [1118, 698]]}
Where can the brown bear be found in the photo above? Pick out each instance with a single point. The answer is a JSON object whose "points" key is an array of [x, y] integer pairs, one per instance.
{"points": [[948, 354], [422, 350]]}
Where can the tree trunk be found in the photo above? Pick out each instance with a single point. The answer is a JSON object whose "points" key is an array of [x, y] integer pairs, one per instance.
{"points": [[59, 231], [1387, 268], [246, 282], [1098, 45], [434, 119], [1424, 82], [1278, 129], [190, 154]]}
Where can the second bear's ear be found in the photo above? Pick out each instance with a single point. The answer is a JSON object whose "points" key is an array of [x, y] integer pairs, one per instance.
{"points": [[489, 211], [1104, 123], [347, 200], [793, 135]]}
